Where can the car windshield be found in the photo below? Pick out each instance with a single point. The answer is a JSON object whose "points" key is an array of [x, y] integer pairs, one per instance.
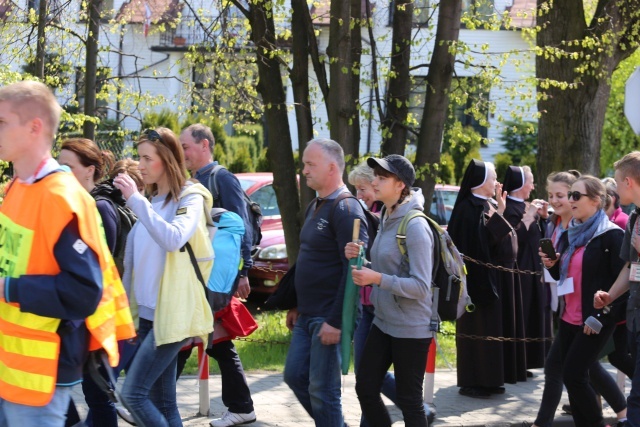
{"points": [[246, 184], [442, 206]]}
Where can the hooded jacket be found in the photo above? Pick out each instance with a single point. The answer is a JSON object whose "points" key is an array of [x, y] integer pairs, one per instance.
{"points": [[402, 301]]}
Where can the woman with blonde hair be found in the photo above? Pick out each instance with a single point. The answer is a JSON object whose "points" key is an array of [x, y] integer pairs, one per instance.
{"points": [[159, 276]]}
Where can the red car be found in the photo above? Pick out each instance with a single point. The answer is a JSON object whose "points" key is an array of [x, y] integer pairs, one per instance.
{"points": [[270, 260]]}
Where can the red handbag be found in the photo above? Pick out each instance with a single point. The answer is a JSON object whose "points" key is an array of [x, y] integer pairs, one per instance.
{"points": [[233, 321]]}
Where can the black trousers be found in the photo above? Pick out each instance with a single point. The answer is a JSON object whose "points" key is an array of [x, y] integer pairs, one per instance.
{"points": [[579, 352], [409, 359], [236, 395]]}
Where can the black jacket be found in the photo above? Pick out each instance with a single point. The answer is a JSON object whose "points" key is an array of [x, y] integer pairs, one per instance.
{"points": [[601, 264]]}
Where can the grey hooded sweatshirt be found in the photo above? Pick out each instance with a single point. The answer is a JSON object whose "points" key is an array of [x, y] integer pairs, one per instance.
{"points": [[402, 302]]}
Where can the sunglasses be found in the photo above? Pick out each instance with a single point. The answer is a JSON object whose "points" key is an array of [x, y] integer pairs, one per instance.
{"points": [[575, 195], [152, 135]]}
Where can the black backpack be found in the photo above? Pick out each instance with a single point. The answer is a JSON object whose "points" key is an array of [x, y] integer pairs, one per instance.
{"points": [[254, 211], [126, 218]]}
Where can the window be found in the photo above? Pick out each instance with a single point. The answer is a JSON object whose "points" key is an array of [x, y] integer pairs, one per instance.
{"points": [[421, 12], [478, 10], [203, 80], [102, 74], [53, 6], [266, 197], [474, 107], [442, 205], [106, 10]]}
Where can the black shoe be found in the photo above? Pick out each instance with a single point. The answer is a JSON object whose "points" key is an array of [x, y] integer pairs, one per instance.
{"points": [[567, 409], [476, 392], [529, 374], [495, 390], [431, 412]]}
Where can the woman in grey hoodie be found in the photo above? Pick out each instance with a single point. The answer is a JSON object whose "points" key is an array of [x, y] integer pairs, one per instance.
{"points": [[401, 295]]}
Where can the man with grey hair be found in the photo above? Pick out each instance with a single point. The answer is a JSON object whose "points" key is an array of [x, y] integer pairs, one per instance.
{"points": [[197, 143], [312, 369]]}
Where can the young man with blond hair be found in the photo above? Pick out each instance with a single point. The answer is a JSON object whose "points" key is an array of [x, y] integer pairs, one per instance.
{"points": [[54, 266], [627, 176]]}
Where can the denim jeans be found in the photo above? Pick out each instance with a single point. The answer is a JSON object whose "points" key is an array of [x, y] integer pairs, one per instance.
{"points": [[51, 415], [149, 390], [312, 371], [409, 358], [365, 320], [633, 401]]}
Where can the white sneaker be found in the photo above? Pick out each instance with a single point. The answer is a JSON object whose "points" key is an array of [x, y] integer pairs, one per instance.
{"points": [[233, 419], [125, 415]]}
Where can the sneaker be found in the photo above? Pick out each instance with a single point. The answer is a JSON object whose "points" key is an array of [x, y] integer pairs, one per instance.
{"points": [[233, 419], [125, 415]]}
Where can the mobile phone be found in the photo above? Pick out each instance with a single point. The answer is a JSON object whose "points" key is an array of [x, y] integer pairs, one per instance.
{"points": [[547, 247]]}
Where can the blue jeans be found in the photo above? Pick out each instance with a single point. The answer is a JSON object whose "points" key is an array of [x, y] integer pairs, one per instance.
{"points": [[359, 339], [312, 372], [633, 401], [149, 390], [54, 414]]}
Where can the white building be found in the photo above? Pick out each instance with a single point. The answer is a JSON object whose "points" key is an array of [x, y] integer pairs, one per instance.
{"points": [[154, 64]]}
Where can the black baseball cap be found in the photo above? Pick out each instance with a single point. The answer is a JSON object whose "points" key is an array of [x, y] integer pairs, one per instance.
{"points": [[397, 165]]}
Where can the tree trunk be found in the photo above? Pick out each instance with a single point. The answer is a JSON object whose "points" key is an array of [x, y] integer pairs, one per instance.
{"points": [[300, 84], [341, 105], [91, 72], [571, 121], [394, 130], [356, 54], [42, 41], [436, 100], [280, 152]]}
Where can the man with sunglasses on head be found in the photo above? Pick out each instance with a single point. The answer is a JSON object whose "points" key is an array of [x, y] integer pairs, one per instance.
{"points": [[197, 143], [627, 176]]}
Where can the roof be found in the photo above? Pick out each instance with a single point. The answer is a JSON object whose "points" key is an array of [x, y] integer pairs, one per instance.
{"points": [[523, 13], [133, 12]]}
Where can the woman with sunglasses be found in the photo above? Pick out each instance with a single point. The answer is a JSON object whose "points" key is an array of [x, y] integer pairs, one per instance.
{"points": [[587, 260], [159, 276]]}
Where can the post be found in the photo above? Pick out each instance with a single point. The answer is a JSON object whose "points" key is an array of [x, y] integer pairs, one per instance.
{"points": [[429, 376], [203, 383]]}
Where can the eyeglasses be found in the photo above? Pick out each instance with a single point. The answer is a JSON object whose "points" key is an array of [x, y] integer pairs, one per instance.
{"points": [[152, 135], [575, 195]]}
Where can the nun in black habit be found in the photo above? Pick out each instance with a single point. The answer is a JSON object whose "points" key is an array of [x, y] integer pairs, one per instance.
{"points": [[529, 219], [479, 230]]}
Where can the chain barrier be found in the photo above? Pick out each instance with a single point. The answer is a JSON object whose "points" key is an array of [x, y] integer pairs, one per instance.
{"points": [[501, 268], [465, 257], [463, 336], [268, 270]]}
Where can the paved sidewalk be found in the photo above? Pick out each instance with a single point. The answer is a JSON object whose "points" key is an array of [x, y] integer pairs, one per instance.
{"points": [[275, 404]]}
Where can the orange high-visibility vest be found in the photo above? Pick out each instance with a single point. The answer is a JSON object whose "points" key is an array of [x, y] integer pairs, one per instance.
{"points": [[32, 217]]}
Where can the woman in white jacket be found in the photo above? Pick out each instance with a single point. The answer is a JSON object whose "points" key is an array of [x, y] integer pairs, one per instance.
{"points": [[159, 276]]}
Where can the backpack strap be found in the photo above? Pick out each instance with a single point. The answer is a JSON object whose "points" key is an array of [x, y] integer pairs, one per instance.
{"points": [[213, 186], [401, 236]]}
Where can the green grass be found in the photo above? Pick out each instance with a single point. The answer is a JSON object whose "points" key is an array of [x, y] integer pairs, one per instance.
{"points": [[266, 349]]}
